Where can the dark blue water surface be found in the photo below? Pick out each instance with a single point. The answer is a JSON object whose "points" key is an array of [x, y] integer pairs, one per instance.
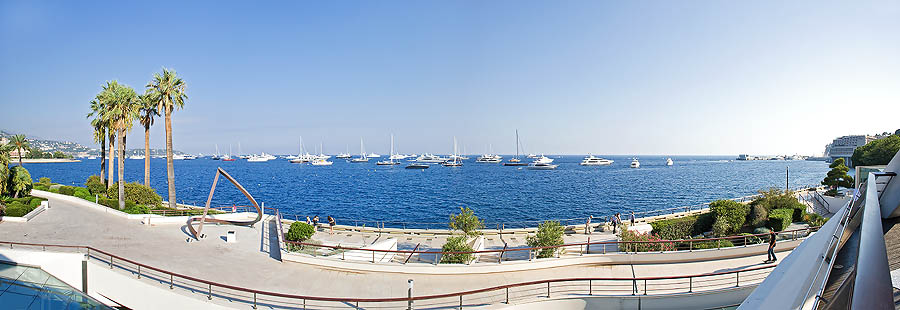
{"points": [[351, 191]]}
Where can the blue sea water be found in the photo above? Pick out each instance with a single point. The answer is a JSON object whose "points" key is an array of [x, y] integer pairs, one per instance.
{"points": [[498, 194]]}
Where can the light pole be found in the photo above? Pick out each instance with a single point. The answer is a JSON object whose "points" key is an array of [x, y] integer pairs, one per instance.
{"points": [[409, 294]]}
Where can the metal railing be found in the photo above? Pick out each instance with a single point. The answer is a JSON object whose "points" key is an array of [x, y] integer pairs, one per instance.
{"points": [[524, 291], [597, 247], [833, 244], [872, 284]]}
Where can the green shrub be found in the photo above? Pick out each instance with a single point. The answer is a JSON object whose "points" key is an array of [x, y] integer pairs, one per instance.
{"points": [[456, 244], [136, 209], [550, 233], [40, 187], [721, 228], [712, 244], [657, 245], [300, 232], [466, 221], [19, 182], [814, 219], [114, 204], [67, 190], [674, 229], [733, 213], [704, 223], [759, 215], [95, 185], [137, 193], [17, 209], [35, 202], [44, 181], [779, 219], [83, 193]]}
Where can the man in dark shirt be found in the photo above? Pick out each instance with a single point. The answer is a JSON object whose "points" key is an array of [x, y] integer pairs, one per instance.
{"points": [[772, 257]]}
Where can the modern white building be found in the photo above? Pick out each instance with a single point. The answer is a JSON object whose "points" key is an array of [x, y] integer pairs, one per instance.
{"points": [[843, 147]]}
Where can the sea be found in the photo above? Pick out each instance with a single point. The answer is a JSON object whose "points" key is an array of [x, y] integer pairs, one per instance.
{"points": [[363, 193]]}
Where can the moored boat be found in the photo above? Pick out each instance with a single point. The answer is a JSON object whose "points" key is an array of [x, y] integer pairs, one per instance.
{"points": [[592, 160]]}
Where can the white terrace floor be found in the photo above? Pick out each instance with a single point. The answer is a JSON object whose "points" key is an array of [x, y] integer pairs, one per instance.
{"points": [[249, 263]]}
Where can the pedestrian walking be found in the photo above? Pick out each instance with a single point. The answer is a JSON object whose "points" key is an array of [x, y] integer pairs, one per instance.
{"points": [[331, 224], [772, 257], [632, 218], [587, 226], [308, 221]]}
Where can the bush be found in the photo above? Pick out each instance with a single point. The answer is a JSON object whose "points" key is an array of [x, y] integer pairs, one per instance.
{"points": [[456, 244], [114, 204], [814, 219], [713, 244], [550, 233], [40, 187], [732, 213], [137, 193], [136, 209], [750, 239], [674, 229], [83, 193], [17, 209], [35, 202], [775, 199], [19, 182], [95, 185], [779, 219], [761, 230], [44, 181], [466, 221], [759, 215], [658, 244], [721, 228], [300, 232], [67, 190]]}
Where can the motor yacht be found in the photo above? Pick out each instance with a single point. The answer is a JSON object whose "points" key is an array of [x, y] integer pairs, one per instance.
{"points": [[321, 162], [592, 160], [343, 155], [92, 157], [136, 157], [635, 163], [190, 157], [417, 166], [531, 156], [429, 158], [541, 166], [489, 159], [177, 157], [543, 160], [257, 159], [669, 162], [373, 155]]}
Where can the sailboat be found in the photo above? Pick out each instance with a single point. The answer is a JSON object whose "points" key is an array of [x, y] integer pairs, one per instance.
{"points": [[454, 161], [362, 154], [490, 157], [344, 155], [216, 157], [321, 159], [515, 161], [228, 157], [390, 161]]}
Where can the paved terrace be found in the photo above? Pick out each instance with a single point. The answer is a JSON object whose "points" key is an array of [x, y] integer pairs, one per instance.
{"points": [[250, 263]]}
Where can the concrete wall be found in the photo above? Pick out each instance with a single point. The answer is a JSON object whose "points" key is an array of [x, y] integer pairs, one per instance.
{"points": [[704, 300], [27, 217]]}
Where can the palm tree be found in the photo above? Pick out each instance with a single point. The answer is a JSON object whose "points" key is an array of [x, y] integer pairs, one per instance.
{"points": [[148, 109], [169, 90], [19, 143], [98, 111], [107, 98], [123, 110], [4, 166]]}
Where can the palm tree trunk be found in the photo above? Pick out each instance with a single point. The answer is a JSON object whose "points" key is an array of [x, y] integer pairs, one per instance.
{"points": [[121, 147], [170, 167], [147, 155], [102, 158], [20, 157], [112, 163]]}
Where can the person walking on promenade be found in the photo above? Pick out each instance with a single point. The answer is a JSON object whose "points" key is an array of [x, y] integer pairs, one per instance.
{"points": [[612, 221], [316, 222], [632, 218], [308, 221], [772, 257], [587, 226], [331, 224]]}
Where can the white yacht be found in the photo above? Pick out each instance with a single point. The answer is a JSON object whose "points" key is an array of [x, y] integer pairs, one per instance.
{"points": [[531, 156], [429, 158], [190, 157], [543, 160], [177, 157], [321, 162], [399, 157], [136, 157], [635, 163], [373, 155], [343, 155], [592, 160], [390, 161], [489, 158], [669, 161], [92, 157], [541, 166], [257, 159], [363, 158], [454, 159]]}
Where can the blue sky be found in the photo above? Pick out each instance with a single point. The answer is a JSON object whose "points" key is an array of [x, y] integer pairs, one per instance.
{"points": [[575, 77]]}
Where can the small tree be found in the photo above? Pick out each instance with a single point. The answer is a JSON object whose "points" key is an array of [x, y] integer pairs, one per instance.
{"points": [[837, 177], [550, 233], [20, 181], [878, 152], [456, 244], [466, 221]]}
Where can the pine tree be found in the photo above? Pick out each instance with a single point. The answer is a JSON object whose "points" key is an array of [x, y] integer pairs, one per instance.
{"points": [[837, 177]]}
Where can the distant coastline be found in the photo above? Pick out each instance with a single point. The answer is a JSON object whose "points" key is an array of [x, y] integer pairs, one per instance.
{"points": [[44, 160]]}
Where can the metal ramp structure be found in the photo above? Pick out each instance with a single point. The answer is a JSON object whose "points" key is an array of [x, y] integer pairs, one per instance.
{"points": [[196, 233], [847, 264]]}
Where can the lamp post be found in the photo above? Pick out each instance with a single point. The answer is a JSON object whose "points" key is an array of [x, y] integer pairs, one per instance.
{"points": [[409, 294]]}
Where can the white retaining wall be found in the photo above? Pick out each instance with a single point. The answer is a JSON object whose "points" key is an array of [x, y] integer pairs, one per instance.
{"points": [[22, 219]]}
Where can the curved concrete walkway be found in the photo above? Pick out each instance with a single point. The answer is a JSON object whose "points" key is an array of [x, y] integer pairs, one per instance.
{"points": [[250, 262]]}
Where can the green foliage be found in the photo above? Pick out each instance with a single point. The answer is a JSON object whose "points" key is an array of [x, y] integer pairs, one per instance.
{"points": [[779, 219], [712, 244], [300, 232], [751, 239], [19, 181], [730, 216], [17, 209], [456, 244], [878, 152], [759, 215], [704, 223], [95, 185], [761, 230], [35, 202], [40, 187], [67, 190], [44, 180], [137, 193], [83, 193], [837, 176], [657, 244], [674, 229], [466, 221], [550, 233], [136, 209], [114, 203], [814, 219]]}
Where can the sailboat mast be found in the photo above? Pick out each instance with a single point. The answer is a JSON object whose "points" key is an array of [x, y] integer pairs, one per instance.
{"points": [[391, 157], [517, 143]]}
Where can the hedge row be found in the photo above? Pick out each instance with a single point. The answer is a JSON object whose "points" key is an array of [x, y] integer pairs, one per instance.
{"points": [[18, 207], [779, 219], [684, 227]]}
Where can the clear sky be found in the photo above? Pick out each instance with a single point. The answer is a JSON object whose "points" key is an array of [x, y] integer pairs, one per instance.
{"points": [[602, 77]]}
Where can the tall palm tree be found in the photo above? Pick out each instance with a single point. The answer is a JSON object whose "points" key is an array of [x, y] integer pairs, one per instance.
{"points": [[123, 111], [108, 98], [19, 143], [169, 90], [4, 166], [98, 112], [148, 110]]}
